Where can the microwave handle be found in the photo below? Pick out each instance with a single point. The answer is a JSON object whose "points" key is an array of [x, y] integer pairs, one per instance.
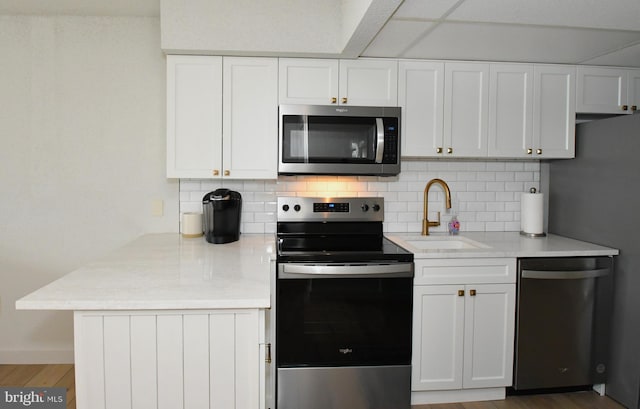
{"points": [[380, 140]]}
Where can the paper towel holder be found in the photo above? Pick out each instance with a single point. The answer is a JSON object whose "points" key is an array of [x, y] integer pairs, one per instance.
{"points": [[522, 233]]}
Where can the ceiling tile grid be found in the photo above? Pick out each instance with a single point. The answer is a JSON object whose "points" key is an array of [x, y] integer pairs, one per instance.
{"points": [[547, 31]]}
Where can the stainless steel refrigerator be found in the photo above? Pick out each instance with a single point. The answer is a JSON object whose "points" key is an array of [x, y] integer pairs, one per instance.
{"points": [[596, 198]]}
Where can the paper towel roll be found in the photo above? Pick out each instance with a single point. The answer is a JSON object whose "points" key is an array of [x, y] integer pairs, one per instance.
{"points": [[191, 224], [531, 213]]}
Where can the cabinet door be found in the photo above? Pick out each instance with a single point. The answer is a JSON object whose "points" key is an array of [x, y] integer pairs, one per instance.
{"points": [[438, 325], [368, 82], [194, 116], [554, 113], [308, 81], [466, 99], [250, 122], [510, 110], [489, 335], [602, 90], [634, 90], [421, 97]]}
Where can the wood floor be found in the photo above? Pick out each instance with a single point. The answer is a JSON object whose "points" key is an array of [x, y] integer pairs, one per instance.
{"points": [[62, 376], [59, 376]]}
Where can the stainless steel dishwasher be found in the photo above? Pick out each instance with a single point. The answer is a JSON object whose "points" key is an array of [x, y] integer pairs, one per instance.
{"points": [[562, 325]]}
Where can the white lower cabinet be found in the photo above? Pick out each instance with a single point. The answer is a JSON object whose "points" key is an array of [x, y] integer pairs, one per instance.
{"points": [[170, 359], [463, 332]]}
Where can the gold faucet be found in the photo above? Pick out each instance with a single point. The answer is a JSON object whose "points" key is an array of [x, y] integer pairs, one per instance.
{"points": [[425, 221]]}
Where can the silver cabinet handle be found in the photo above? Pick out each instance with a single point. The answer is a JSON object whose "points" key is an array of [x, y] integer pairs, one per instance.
{"points": [[565, 275]]}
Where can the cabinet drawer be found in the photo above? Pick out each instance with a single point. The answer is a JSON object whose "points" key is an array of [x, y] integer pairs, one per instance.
{"points": [[465, 271]]}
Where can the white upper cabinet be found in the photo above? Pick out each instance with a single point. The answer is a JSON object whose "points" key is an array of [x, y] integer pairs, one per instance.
{"points": [[634, 90], [421, 97], [604, 90], [250, 118], [487, 110], [369, 82], [466, 100], [554, 113], [211, 134], [194, 117], [309, 81], [510, 110], [366, 82]]}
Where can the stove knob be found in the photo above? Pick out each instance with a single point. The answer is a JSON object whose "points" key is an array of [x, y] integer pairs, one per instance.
{"points": [[376, 207], [365, 207], [296, 208], [285, 208]]}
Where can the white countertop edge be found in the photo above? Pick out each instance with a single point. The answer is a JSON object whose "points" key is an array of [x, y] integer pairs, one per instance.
{"points": [[506, 244], [118, 305]]}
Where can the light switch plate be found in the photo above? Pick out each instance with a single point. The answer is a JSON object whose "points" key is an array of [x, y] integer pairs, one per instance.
{"points": [[157, 207]]}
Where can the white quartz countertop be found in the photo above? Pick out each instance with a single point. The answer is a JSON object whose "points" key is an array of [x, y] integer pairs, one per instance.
{"points": [[166, 271], [500, 244]]}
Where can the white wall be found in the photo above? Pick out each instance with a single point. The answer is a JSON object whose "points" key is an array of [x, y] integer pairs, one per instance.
{"points": [[82, 127], [250, 27], [485, 194]]}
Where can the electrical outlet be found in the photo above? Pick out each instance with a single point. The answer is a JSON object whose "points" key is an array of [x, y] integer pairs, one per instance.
{"points": [[157, 207]]}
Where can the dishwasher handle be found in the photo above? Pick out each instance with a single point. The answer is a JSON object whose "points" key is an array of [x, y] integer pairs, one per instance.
{"points": [[565, 275]]}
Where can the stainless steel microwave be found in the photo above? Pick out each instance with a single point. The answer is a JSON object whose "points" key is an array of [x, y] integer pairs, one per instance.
{"points": [[339, 140]]}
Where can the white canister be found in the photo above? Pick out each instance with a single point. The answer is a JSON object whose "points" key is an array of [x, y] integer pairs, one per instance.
{"points": [[191, 225]]}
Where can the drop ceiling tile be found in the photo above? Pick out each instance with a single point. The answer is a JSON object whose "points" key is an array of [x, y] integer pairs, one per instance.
{"points": [[505, 42], [611, 14], [395, 37], [626, 57], [424, 9]]}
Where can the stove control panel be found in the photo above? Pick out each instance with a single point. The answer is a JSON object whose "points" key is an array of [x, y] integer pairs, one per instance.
{"points": [[331, 207], [309, 209]]}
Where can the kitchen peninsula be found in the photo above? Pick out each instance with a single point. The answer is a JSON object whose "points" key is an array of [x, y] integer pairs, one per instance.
{"points": [[168, 321], [172, 321]]}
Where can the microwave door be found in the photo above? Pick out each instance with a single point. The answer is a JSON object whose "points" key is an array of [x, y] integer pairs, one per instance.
{"points": [[299, 141], [379, 140]]}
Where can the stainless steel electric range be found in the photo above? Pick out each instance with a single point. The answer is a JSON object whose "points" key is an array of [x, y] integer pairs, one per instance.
{"points": [[342, 308]]}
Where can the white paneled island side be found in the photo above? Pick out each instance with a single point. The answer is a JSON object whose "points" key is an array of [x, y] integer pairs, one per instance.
{"points": [[170, 322]]}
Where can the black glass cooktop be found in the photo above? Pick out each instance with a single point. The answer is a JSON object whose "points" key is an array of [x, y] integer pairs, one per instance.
{"points": [[354, 249]]}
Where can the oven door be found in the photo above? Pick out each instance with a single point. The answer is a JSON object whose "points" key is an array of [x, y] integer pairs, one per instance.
{"points": [[343, 335], [344, 315]]}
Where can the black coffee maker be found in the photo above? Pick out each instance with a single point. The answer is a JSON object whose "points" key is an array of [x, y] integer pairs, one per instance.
{"points": [[221, 216]]}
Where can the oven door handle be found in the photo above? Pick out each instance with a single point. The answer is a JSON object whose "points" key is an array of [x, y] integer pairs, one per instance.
{"points": [[295, 270]]}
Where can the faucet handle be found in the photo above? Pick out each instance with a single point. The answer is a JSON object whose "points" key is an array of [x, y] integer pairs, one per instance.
{"points": [[436, 223]]}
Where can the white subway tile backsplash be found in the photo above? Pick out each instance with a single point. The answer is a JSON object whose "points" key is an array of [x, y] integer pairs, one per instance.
{"points": [[496, 166], [514, 167], [485, 194]]}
